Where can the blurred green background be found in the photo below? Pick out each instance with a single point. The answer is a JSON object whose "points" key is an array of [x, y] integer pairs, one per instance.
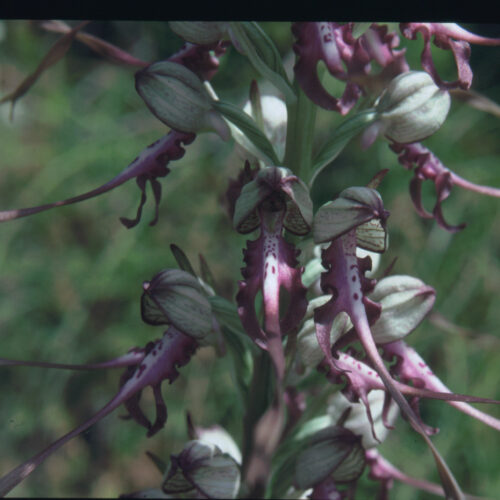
{"points": [[70, 278]]}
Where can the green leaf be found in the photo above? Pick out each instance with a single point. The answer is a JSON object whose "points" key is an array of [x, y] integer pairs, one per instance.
{"points": [[157, 461], [263, 55], [206, 274], [248, 127], [240, 346], [339, 140], [182, 259]]}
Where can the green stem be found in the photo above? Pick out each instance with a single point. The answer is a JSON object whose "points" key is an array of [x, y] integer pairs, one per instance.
{"points": [[300, 133], [257, 402]]}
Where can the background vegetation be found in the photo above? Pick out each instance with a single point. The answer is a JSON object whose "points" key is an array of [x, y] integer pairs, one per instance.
{"points": [[70, 278]]}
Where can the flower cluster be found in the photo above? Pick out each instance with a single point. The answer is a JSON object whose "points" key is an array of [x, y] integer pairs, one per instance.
{"points": [[311, 314]]}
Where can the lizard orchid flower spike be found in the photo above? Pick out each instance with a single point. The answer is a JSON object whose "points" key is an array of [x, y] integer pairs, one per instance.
{"points": [[429, 167], [172, 298], [274, 200], [448, 36]]}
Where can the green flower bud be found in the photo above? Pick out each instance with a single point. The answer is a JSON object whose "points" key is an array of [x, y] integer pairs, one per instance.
{"points": [[405, 302], [175, 297], [177, 97], [274, 124], [199, 32], [357, 420], [332, 452], [202, 469], [412, 107]]}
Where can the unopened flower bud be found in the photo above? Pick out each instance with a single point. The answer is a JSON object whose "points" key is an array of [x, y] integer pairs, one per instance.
{"points": [[202, 469], [308, 347], [274, 122], [333, 452], [218, 436], [177, 97], [199, 32], [175, 297], [357, 420], [412, 107], [405, 302]]}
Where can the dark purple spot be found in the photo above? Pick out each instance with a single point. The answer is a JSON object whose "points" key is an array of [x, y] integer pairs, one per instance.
{"points": [[354, 266], [273, 270], [140, 370], [354, 278], [355, 296]]}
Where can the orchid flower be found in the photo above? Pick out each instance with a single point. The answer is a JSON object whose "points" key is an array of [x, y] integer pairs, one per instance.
{"points": [[152, 162], [274, 200], [149, 366], [448, 36], [429, 167], [173, 298], [336, 46]]}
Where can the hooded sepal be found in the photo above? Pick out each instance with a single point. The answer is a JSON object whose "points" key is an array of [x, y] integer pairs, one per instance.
{"points": [[176, 297], [202, 469], [355, 207], [333, 452], [284, 191]]}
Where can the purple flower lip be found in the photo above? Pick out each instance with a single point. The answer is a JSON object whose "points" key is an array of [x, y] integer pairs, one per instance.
{"points": [[447, 36], [347, 59], [428, 167]]}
